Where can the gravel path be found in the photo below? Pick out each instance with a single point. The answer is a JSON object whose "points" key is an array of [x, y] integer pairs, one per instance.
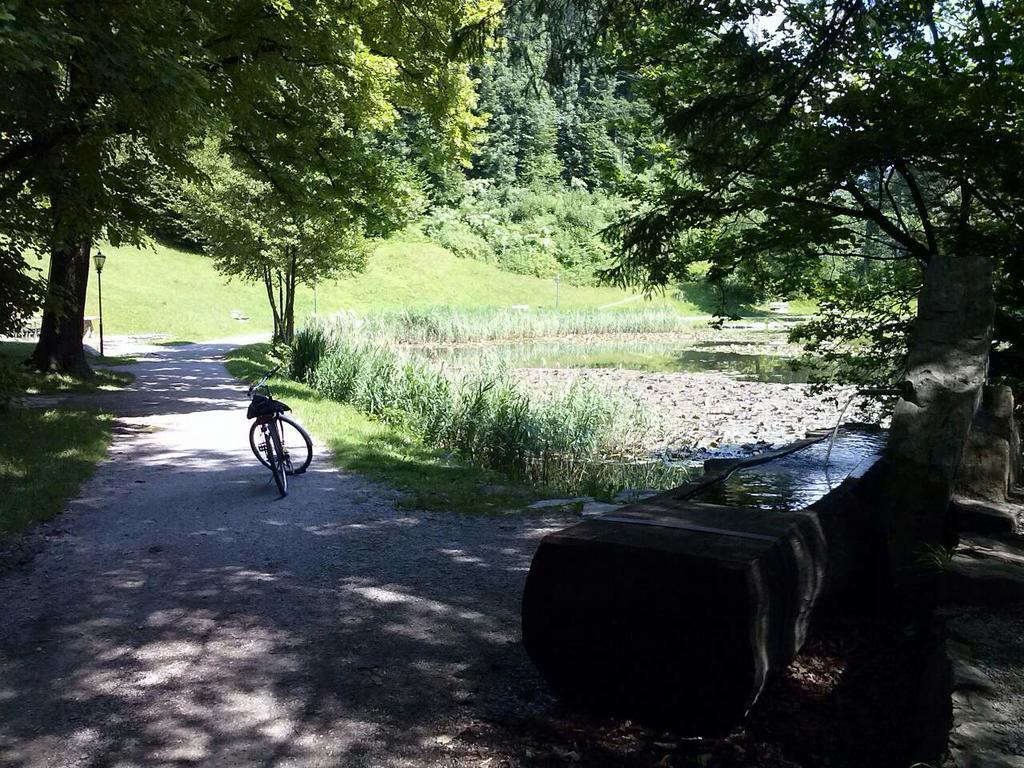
{"points": [[180, 614]]}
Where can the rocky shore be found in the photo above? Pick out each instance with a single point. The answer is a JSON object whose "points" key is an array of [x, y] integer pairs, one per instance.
{"points": [[697, 414]]}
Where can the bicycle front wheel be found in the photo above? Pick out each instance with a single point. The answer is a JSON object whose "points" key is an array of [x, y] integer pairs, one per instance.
{"points": [[278, 462], [296, 442]]}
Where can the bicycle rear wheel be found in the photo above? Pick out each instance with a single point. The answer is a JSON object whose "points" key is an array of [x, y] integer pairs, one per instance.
{"points": [[277, 459], [297, 444]]}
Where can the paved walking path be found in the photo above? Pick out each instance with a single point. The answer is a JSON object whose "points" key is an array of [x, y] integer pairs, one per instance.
{"points": [[181, 614]]}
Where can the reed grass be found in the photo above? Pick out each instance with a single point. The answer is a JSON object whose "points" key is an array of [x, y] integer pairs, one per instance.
{"points": [[451, 325], [580, 441]]}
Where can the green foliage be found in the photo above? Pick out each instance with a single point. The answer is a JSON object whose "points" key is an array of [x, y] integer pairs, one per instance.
{"points": [[159, 289], [118, 90], [543, 180], [584, 128], [541, 231], [861, 332], [257, 230], [934, 558], [45, 455], [522, 127], [448, 230], [826, 131], [98, 99], [16, 378], [428, 477], [21, 288]]}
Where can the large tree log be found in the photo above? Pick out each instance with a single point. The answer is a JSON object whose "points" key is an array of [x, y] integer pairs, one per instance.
{"points": [[947, 367]]}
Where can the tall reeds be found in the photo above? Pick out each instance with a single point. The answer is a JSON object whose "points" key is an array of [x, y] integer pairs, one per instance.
{"points": [[445, 325], [571, 442]]}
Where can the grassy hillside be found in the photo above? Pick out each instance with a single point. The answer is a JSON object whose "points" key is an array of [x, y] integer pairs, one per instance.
{"points": [[163, 290]]}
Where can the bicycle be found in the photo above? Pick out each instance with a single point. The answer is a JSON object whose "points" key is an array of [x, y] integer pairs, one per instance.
{"points": [[286, 448]]}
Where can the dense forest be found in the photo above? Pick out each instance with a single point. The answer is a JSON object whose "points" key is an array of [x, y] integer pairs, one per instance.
{"points": [[553, 165]]}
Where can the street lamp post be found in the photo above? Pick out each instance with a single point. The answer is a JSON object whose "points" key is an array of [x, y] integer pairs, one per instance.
{"points": [[99, 260]]}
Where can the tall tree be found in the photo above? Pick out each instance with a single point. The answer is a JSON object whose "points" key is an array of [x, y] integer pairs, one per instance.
{"points": [[585, 128], [267, 224], [791, 126], [522, 127], [98, 97]]}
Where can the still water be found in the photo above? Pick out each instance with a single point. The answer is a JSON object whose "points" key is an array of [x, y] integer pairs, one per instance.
{"points": [[798, 479]]}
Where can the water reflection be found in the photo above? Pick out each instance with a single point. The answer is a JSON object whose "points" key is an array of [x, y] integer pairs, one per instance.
{"points": [[798, 479]]}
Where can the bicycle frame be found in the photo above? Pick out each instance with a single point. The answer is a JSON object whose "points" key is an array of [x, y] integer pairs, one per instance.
{"points": [[268, 423]]}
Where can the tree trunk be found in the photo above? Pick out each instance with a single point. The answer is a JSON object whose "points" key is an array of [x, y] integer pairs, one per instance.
{"points": [[268, 282], [289, 306], [60, 339], [947, 366], [279, 337]]}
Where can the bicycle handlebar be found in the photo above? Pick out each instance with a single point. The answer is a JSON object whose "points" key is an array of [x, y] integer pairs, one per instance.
{"points": [[263, 381]]}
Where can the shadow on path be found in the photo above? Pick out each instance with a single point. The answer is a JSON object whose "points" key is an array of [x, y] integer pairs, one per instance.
{"points": [[183, 615]]}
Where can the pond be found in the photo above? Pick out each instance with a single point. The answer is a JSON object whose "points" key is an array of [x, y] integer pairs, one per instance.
{"points": [[798, 479], [744, 360]]}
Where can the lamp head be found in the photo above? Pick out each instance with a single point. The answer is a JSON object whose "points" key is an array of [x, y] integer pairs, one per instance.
{"points": [[99, 260]]}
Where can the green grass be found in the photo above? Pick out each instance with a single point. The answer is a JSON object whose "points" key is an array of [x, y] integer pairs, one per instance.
{"points": [[164, 290], [429, 478], [17, 378], [705, 299], [45, 456], [160, 289]]}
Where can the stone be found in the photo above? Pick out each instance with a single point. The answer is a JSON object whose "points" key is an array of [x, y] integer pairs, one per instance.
{"points": [[594, 508], [628, 495], [946, 368], [678, 612], [555, 503], [671, 611], [987, 570], [984, 758], [990, 463], [985, 516], [967, 677], [720, 465]]}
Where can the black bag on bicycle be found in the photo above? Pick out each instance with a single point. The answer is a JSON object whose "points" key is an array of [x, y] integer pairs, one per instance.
{"points": [[261, 405]]}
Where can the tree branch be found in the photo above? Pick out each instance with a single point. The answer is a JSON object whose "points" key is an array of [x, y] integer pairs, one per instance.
{"points": [[919, 203], [892, 201], [872, 213]]}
